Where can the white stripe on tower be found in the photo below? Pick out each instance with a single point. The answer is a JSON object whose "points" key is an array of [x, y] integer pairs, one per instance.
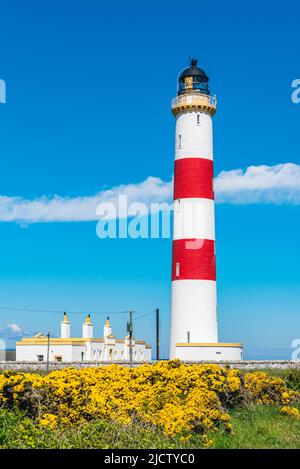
{"points": [[194, 306]]}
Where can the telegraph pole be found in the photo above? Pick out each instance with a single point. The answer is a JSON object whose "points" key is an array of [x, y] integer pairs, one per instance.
{"points": [[130, 329], [157, 334], [48, 351]]}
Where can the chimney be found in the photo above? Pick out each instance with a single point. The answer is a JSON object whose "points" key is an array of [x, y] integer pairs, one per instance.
{"points": [[107, 330], [65, 327], [87, 328]]}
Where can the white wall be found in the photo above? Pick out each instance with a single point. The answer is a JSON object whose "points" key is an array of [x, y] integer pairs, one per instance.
{"points": [[194, 309], [196, 139], [30, 352], [92, 351], [209, 353], [194, 218]]}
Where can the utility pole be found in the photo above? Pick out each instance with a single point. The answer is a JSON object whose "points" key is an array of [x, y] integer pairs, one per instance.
{"points": [[130, 329], [48, 351], [157, 334]]}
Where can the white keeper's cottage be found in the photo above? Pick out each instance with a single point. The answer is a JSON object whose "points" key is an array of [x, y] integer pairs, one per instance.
{"points": [[85, 348]]}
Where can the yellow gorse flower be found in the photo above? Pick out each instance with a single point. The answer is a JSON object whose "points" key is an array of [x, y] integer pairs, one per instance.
{"points": [[178, 398], [291, 412]]}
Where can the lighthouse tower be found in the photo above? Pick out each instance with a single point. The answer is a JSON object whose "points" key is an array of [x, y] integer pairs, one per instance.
{"points": [[194, 329]]}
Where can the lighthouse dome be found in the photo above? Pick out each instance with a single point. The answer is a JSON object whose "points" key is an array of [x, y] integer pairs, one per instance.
{"points": [[193, 79]]}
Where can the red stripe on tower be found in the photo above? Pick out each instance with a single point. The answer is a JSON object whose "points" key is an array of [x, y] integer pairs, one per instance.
{"points": [[194, 259], [193, 177]]}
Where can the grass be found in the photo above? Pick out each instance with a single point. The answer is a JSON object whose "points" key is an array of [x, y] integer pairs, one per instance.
{"points": [[19, 432], [258, 427], [254, 426]]}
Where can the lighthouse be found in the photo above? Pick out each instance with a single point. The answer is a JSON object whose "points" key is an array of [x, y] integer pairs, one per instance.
{"points": [[194, 327]]}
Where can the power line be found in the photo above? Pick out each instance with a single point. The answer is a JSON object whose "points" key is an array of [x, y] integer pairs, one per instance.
{"points": [[32, 310], [61, 311], [144, 315]]}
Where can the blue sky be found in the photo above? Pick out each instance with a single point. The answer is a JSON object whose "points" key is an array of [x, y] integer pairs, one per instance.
{"points": [[88, 108]]}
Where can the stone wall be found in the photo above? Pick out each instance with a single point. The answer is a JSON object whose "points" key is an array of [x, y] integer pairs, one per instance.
{"points": [[245, 365]]}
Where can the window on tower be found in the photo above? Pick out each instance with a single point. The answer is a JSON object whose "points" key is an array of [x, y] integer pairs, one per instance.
{"points": [[177, 206], [179, 141], [198, 119]]}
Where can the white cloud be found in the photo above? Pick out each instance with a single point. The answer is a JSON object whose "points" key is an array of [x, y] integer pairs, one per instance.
{"points": [[13, 331], [51, 209], [277, 184], [257, 184]]}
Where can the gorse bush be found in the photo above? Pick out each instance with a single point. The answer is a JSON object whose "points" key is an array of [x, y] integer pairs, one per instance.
{"points": [[181, 400]]}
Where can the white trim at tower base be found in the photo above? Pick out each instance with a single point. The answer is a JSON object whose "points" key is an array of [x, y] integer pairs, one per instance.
{"points": [[193, 313], [205, 352]]}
